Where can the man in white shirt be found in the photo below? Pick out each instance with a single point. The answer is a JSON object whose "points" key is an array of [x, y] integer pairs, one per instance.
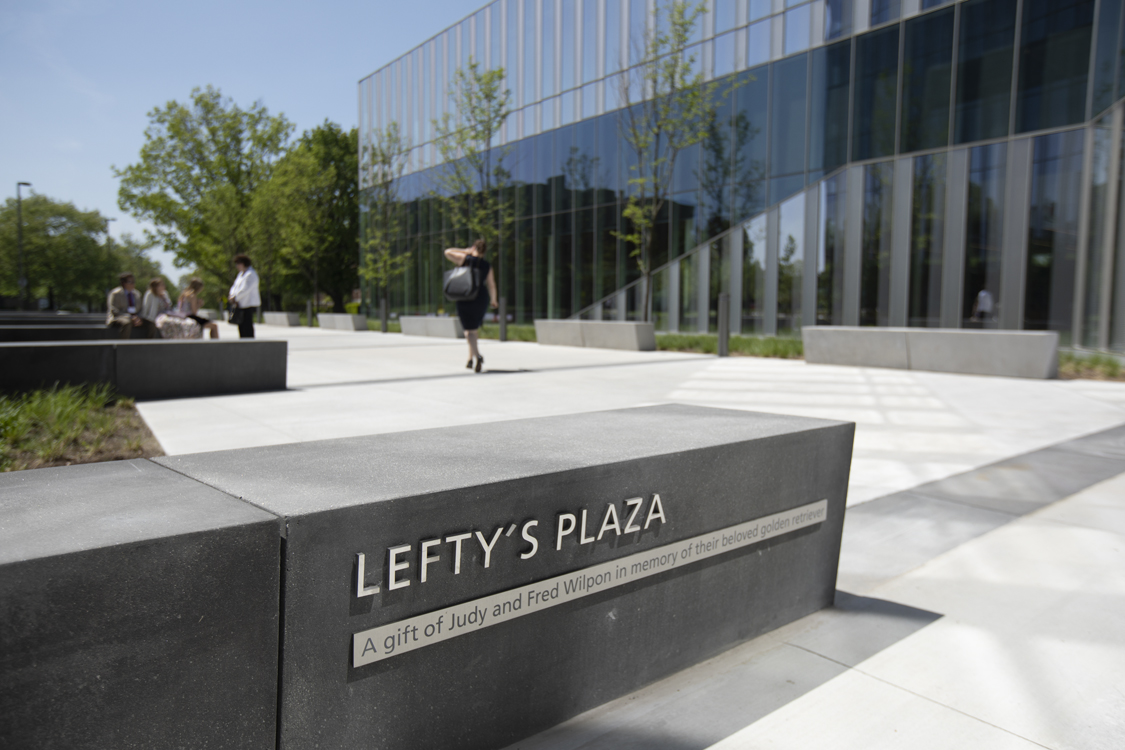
{"points": [[984, 306], [244, 297]]}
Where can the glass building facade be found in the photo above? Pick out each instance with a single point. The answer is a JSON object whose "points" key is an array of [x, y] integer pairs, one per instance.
{"points": [[874, 162]]}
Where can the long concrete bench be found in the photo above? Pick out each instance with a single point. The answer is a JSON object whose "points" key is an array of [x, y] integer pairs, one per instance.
{"points": [[599, 334], [288, 319], [577, 559], [47, 319], [148, 369], [1018, 354], [432, 325], [342, 322], [88, 332]]}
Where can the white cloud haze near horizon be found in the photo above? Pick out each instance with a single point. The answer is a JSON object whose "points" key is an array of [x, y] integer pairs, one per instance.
{"points": [[78, 78]]}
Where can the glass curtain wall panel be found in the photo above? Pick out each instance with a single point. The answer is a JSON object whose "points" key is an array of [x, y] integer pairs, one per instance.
{"points": [[512, 66], [750, 130], [567, 54], [546, 53], [828, 115], [662, 301], [563, 271], [585, 260], [1052, 241], [606, 162], [496, 22], [797, 29], [830, 251], [875, 269], [883, 11], [544, 249], [606, 280], [684, 210], [612, 37], [1105, 55], [753, 275], [1117, 292], [1100, 241], [719, 281], [981, 299], [1054, 63], [581, 166], [726, 15], [638, 14], [927, 66], [984, 69], [837, 19], [560, 178], [690, 269], [713, 172], [589, 40], [790, 265], [876, 92], [926, 241], [530, 53], [758, 43], [787, 127], [760, 9], [724, 55]]}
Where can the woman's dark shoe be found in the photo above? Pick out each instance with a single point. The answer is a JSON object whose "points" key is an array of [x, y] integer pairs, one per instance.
{"points": [[480, 361], [469, 364]]}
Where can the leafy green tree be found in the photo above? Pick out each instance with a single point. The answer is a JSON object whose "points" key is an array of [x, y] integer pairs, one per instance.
{"points": [[199, 168], [383, 164], [473, 177], [668, 108], [312, 199], [66, 260]]}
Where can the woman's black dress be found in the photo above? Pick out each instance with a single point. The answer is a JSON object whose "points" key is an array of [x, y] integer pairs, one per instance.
{"points": [[471, 312]]}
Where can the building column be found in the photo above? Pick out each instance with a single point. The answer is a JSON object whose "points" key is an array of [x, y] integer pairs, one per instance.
{"points": [[903, 192], [673, 299], [1077, 321], [853, 246], [1108, 251], [703, 288], [734, 263], [769, 318], [1013, 263], [953, 256], [812, 244]]}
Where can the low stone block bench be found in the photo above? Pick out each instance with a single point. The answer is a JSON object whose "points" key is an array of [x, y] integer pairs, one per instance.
{"points": [[288, 319], [50, 318], [87, 332], [138, 608], [1017, 354], [600, 334], [432, 325], [342, 322], [148, 369], [499, 592]]}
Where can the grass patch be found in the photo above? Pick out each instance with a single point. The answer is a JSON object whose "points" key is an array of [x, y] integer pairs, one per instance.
{"points": [[746, 346], [520, 332], [1090, 366], [71, 425], [393, 326]]}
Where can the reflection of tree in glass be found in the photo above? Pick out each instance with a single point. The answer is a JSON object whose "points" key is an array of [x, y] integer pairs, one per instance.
{"points": [[581, 172], [788, 284], [749, 174], [720, 164]]}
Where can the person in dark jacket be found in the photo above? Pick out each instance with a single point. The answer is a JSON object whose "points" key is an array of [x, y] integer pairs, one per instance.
{"points": [[472, 312]]}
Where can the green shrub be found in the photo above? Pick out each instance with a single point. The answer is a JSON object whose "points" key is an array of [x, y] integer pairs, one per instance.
{"points": [[750, 346], [352, 308], [516, 332], [1092, 366]]}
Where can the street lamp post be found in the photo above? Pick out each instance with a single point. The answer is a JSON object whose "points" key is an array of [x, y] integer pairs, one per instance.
{"points": [[19, 234]]}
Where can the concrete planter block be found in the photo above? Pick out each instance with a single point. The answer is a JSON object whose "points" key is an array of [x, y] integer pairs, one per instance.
{"points": [[138, 608], [91, 332], [559, 332], [288, 319], [432, 325], [1014, 354], [342, 321], [637, 337], [858, 347]]}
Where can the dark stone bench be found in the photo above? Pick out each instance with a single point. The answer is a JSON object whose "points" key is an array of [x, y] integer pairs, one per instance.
{"points": [[402, 631], [432, 592], [148, 369], [51, 318], [138, 608], [88, 332]]}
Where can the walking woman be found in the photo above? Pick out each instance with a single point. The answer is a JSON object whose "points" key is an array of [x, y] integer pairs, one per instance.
{"points": [[472, 312]]}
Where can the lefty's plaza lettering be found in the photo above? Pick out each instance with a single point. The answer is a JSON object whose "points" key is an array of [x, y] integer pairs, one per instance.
{"points": [[380, 643]]}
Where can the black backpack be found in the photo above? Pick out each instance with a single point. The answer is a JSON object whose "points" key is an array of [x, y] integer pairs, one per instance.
{"points": [[461, 284]]}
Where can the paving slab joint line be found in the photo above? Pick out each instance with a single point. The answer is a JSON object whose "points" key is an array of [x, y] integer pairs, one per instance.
{"points": [[284, 522]]}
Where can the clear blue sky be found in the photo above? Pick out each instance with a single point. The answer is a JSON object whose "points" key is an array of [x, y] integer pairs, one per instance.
{"points": [[78, 77]]}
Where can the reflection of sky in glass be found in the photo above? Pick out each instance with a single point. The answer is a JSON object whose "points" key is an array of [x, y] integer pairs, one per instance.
{"points": [[758, 44], [725, 16], [793, 224], [760, 9], [797, 29], [724, 54]]}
